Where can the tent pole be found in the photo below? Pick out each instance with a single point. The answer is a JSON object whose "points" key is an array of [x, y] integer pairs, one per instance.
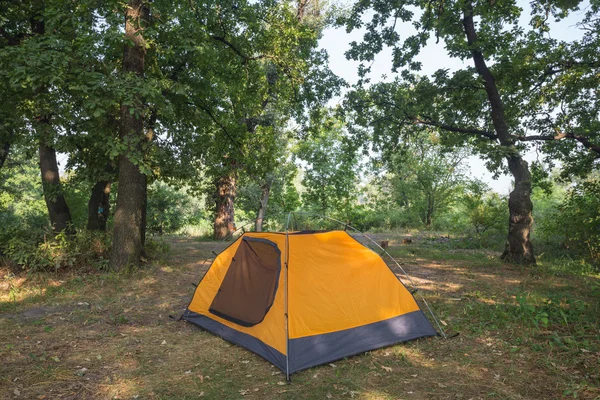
{"points": [[287, 333]]}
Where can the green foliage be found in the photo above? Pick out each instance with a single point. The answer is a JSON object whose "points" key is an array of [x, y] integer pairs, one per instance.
{"points": [[574, 222], [565, 321], [331, 173], [169, 209], [424, 178], [230, 86], [82, 251], [21, 203], [486, 210], [77, 193]]}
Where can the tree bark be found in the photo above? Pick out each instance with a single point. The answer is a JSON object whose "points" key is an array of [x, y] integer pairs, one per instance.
{"points": [[128, 239], [518, 247], [224, 211], [58, 210], [99, 206], [262, 208]]}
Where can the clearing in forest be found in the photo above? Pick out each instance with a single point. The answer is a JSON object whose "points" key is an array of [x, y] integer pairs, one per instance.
{"points": [[524, 334]]}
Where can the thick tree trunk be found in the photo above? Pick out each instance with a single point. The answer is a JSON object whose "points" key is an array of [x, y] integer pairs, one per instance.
{"points": [[262, 208], [518, 247], [99, 206], [128, 240], [58, 210], [224, 211]]}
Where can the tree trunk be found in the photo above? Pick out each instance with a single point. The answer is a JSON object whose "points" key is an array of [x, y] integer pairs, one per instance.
{"points": [[224, 212], [262, 208], [128, 240], [429, 215], [144, 215], [4, 153], [518, 248], [58, 210], [99, 206]]}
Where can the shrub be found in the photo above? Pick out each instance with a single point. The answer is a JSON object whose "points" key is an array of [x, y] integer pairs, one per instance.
{"points": [[575, 222], [82, 250]]}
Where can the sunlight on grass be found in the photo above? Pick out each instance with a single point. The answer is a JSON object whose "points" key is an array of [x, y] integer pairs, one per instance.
{"points": [[523, 334]]}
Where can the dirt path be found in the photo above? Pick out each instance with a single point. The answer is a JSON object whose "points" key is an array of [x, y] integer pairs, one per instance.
{"points": [[109, 336]]}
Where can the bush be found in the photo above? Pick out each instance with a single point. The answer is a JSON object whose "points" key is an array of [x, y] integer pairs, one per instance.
{"points": [[82, 250], [170, 209], [575, 222]]}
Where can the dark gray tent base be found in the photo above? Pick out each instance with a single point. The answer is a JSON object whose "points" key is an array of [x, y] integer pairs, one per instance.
{"points": [[242, 339], [315, 350], [309, 351]]}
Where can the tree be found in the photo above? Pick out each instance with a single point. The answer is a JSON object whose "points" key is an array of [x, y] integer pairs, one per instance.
{"points": [[270, 74], [45, 47], [167, 208], [576, 220], [486, 210], [424, 177], [562, 78], [129, 224], [483, 106], [331, 166]]}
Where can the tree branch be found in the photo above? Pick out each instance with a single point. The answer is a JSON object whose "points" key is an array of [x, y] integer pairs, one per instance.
{"points": [[584, 140], [236, 50], [562, 67], [468, 131]]}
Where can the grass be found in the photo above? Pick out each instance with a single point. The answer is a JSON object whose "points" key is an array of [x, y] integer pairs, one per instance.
{"points": [[525, 333]]}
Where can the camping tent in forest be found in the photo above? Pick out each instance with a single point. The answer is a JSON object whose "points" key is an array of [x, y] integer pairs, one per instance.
{"points": [[301, 299]]}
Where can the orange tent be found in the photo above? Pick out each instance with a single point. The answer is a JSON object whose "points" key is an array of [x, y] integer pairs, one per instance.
{"points": [[305, 298]]}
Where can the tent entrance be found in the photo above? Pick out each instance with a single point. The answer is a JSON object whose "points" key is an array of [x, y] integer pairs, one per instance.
{"points": [[249, 286]]}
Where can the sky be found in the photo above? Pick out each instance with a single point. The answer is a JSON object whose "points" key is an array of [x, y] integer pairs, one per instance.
{"points": [[433, 57]]}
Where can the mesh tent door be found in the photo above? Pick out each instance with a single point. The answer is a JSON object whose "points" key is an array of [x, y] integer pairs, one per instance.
{"points": [[249, 286]]}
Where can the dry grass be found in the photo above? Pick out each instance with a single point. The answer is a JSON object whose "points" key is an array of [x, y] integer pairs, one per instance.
{"points": [[117, 327]]}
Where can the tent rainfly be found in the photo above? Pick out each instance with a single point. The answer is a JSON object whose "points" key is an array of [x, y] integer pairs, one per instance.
{"points": [[306, 298]]}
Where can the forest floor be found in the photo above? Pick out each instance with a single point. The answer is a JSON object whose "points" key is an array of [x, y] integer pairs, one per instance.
{"points": [[525, 333]]}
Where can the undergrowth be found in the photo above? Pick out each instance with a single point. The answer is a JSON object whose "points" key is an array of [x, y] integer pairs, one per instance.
{"points": [[81, 250]]}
